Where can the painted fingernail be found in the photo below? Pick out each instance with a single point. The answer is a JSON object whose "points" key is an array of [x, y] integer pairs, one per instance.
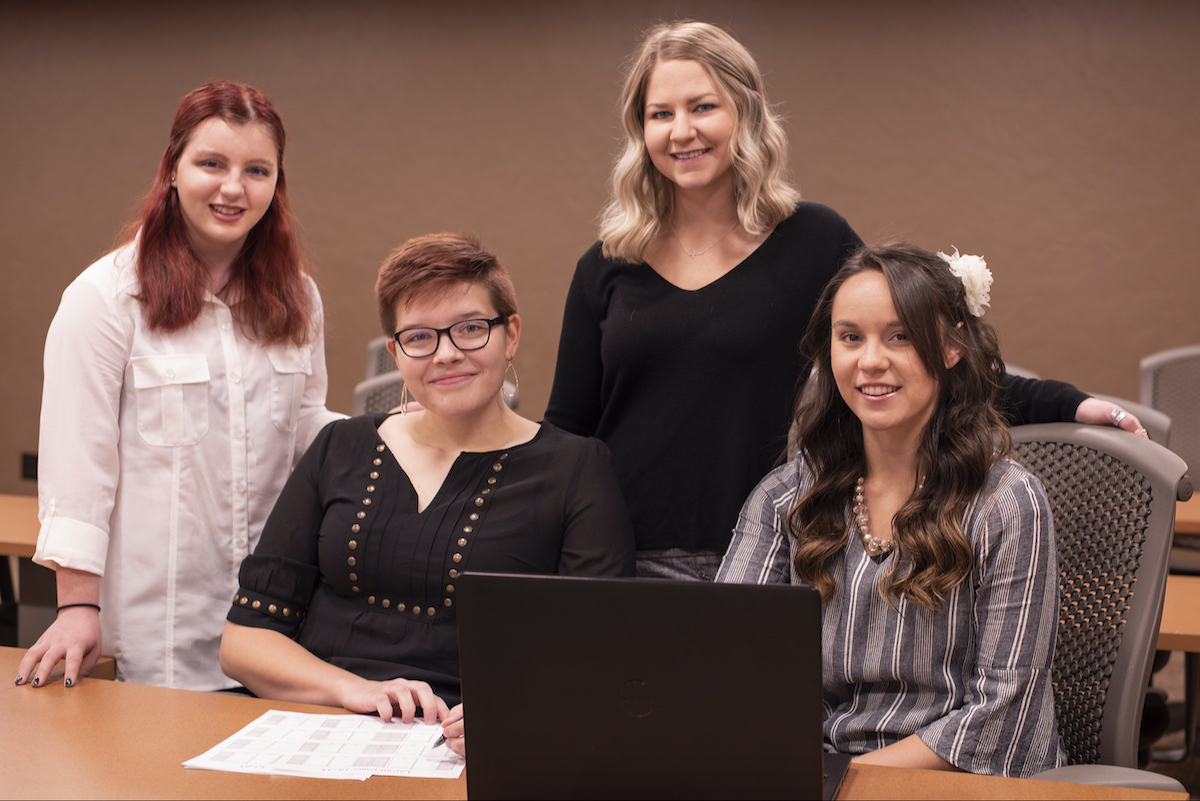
{"points": [[36, 682], [19, 678], [68, 682]]}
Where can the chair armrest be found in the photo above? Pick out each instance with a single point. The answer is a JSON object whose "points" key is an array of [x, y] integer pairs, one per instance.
{"points": [[1112, 776]]}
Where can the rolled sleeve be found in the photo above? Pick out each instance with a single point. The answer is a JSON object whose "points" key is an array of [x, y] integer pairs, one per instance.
{"points": [[274, 593], [87, 350]]}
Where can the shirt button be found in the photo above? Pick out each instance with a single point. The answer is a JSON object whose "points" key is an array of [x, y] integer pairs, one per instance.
{"points": [[238, 433], [235, 378], [241, 543], [224, 326], [241, 487], [170, 374]]}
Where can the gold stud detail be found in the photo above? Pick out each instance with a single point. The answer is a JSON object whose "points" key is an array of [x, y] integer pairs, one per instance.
{"points": [[355, 528], [370, 488], [492, 480], [479, 501], [449, 588], [272, 608], [386, 603], [457, 557], [353, 544], [399, 607], [243, 600], [351, 561], [474, 515], [374, 474], [354, 577], [497, 467], [462, 542], [503, 456], [370, 599], [416, 610], [467, 529], [484, 492], [453, 573], [354, 590], [256, 604], [361, 515], [431, 611], [366, 501], [380, 448], [377, 461], [287, 612], [446, 602]]}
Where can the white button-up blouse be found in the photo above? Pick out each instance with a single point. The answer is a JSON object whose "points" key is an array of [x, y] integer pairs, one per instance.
{"points": [[160, 457]]}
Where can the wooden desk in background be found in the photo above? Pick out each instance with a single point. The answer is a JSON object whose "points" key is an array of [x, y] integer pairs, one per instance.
{"points": [[102, 739], [18, 525]]}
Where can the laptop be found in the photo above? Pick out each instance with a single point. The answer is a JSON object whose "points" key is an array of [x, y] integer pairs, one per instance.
{"points": [[641, 688]]}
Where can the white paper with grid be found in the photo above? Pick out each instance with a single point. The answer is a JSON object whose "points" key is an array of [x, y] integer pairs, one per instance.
{"points": [[332, 747]]}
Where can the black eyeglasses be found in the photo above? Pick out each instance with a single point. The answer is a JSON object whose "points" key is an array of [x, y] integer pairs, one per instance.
{"points": [[417, 343]]}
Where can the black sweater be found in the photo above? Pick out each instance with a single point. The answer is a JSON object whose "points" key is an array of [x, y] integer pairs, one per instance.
{"points": [[692, 391]]}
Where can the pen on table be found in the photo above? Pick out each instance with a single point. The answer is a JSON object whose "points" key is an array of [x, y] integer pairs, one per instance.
{"points": [[440, 740]]}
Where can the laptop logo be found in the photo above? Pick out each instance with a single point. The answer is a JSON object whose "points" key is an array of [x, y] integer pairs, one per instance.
{"points": [[636, 699]]}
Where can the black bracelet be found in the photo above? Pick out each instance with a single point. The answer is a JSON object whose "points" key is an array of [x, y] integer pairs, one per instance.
{"points": [[68, 606]]}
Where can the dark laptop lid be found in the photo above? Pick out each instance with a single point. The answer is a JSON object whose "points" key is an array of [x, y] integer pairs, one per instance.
{"points": [[584, 687]]}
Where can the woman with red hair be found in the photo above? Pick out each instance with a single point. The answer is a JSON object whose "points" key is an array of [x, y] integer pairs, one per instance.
{"points": [[184, 375]]}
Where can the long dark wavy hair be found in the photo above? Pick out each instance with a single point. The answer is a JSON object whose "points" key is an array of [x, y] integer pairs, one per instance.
{"points": [[269, 276], [964, 437]]}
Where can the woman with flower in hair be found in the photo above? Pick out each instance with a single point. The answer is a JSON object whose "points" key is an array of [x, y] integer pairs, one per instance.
{"points": [[184, 375], [680, 333], [933, 550]]}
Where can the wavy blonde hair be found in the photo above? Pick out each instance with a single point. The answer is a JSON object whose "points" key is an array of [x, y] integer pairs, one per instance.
{"points": [[642, 198]]}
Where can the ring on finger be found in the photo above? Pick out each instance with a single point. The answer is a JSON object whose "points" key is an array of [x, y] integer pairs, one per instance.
{"points": [[1117, 415]]}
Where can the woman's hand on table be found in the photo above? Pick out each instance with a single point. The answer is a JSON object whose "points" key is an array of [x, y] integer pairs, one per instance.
{"points": [[75, 637], [1105, 413], [388, 697], [454, 732]]}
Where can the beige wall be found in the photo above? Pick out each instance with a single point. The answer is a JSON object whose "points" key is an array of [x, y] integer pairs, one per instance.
{"points": [[1060, 140]]}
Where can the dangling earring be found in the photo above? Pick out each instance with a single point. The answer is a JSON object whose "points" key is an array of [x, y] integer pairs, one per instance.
{"points": [[404, 399], [516, 382]]}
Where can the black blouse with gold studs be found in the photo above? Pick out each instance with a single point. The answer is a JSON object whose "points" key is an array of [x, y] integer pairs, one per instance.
{"points": [[349, 568]]}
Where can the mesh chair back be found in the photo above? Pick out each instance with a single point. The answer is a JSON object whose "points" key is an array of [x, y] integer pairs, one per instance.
{"points": [[1171, 384], [379, 394], [1112, 495], [379, 361]]}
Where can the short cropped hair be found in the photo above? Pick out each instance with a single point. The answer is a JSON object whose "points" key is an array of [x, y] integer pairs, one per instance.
{"points": [[430, 265]]}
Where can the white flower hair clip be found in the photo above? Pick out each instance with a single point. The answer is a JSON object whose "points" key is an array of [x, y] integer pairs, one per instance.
{"points": [[976, 277]]}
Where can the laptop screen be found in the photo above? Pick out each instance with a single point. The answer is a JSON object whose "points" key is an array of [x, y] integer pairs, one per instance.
{"points": [[587, 687]]}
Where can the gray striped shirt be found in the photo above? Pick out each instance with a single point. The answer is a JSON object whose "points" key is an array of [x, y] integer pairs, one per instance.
{"points": [[974, 680]]}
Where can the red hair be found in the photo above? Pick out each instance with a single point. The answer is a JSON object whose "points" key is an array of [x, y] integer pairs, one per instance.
{"points": [[268, 277]]}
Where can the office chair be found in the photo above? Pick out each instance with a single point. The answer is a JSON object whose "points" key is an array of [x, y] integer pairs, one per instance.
{"points": [[1113, 496], [379, 361], [1170, 383]]}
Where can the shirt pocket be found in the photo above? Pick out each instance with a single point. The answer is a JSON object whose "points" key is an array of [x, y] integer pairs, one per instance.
{"points": [[172, 398], [290, 369]]}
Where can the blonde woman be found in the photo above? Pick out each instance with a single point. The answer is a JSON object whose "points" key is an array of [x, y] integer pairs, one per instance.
{"points": [[680, 333]]}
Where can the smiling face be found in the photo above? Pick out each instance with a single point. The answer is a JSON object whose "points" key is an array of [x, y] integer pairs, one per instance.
{"points": [[455, 382], [876, 367], [688, 126], [225, 179]]}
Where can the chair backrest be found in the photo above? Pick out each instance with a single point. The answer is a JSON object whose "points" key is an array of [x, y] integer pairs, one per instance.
{"points": [[1156, 423], [1113, 496], [1171, 383], [382, 393], [379, 361]]}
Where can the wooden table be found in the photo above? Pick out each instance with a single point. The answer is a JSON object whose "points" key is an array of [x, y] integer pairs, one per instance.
{"points": [[18, 525], [103, 739], [1187, 517]]}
